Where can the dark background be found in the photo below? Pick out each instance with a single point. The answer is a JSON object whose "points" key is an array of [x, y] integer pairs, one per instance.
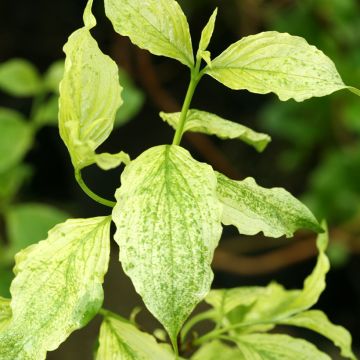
{"points": [[37, 30]]}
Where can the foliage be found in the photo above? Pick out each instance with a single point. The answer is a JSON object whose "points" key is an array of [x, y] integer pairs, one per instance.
{"points": [[170, 208]]}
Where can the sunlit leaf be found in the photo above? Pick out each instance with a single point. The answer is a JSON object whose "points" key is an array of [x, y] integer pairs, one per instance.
{"points": [[159, 26], [168, 225], [5, 313], [15, 138], [252, 208], [317, 321], [119, 339], [18, 77], [89, 95], [276, 62], [108, 161], [28, 223], [57, 289], [276, 346], [206, 35], [207, 123]]}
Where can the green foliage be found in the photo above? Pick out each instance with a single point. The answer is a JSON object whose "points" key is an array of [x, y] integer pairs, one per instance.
{"points": [[5, 312], [169, 207], [19, 78]]}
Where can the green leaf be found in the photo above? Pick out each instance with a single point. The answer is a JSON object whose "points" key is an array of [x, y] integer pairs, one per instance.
{"points": [[57, 288], [12, 179], [47, 113], [354, 90], [6, 276], [226, 300], [211, 351], [168, 225], [108, 161], [252, 208], [89, 95], [53, 76], [276, 346], [207, 123], [119, 339], [317, 321], [18, 77], [276, 62], [5, 313], [15, 138], [277, 303], [206, 35], [133, 100], [159, 26], [29, 223]]}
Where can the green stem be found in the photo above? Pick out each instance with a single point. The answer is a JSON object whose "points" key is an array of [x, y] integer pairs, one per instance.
{"points": [[207, 315], [195, 78], [90, 193]]}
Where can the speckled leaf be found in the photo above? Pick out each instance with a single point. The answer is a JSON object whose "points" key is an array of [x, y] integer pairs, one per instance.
{"points": [[252, 208], [5, 313], [57, 289], [90, 95], [168, 225], [15, 138], [121, 340], [277, 346], [207, 123], [159, 26], [317, 321], [276, 62]]}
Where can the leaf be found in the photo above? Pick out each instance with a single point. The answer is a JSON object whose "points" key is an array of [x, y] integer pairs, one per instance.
{"points": [[277, 303], [276, 62], [133, 100], [53, 76], [5, 313], [6, 276], [29, 223], [119, 339], [47, 112], [252, 208], [226, 300], [211, 351], [168, 225], [206, 34], [18, 77], [276, 346], [108, 161], [354, 90], [317, 321], [12, 179], [15, 138], [90, 95], [159, 26], [207, 123], [57, 288]]}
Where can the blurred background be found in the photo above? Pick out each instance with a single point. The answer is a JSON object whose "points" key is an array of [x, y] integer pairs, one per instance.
{"points": [[315, 152]]}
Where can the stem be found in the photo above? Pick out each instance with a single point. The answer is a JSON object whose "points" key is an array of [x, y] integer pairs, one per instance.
{"points": [[90, 193], [207, 315], [195, 78]]}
